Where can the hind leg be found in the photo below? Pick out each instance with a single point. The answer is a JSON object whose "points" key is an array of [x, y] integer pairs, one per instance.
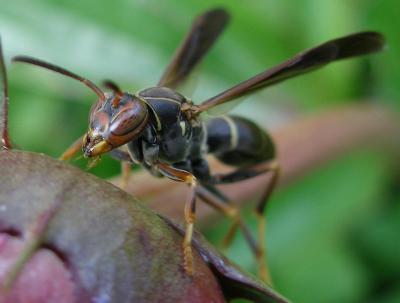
{"points": [[272, 167], [216, 199]]}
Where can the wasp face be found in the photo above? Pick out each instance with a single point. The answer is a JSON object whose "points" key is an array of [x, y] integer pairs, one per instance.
{"points": [[113, 122]]}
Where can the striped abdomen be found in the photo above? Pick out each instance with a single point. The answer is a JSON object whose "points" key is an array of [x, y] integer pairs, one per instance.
{"points": [[237, 141]]}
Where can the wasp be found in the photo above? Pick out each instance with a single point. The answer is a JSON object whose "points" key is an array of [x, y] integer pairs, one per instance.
{"points": [[163, 131]]}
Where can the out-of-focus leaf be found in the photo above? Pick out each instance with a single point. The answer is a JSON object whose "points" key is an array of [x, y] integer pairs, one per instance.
{"points": [[309, 227], [374, 241]]}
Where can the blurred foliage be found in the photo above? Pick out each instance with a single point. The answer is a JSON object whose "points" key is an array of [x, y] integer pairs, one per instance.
{"points": [[331, 237]]}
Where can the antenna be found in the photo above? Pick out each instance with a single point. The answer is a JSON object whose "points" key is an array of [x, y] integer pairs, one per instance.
{"points": [[62, 71]]}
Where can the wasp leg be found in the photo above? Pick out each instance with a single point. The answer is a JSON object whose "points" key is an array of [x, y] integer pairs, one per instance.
{"points": [[125, 174], [212, 196], [190, 209], [190, 217], [126, 163], [246, 173], [216, 199], [72, 150]]}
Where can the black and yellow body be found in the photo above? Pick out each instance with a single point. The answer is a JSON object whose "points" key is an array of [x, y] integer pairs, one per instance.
{"points": [[170, 137], [238, 141]]}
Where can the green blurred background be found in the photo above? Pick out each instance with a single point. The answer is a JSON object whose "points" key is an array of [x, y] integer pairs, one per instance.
{"points": [[334, 235]]}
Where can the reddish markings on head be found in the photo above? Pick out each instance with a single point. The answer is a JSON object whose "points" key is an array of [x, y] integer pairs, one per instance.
{"points": [[100, 122], [116, 100], [129, 117]]}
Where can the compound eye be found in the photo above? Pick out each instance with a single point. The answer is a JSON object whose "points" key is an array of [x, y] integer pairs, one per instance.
{"points": [[128, 118], [95, 107], [99, 122]]}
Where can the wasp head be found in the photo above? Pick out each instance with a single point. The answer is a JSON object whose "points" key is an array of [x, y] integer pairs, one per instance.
{"points": [[114, 121]]}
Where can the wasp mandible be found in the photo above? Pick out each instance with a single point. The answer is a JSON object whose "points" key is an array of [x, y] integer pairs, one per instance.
{"points": [[163, 131]]}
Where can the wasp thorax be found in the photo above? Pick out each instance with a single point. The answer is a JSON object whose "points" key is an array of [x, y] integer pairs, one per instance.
{"points": [[114, 122]]}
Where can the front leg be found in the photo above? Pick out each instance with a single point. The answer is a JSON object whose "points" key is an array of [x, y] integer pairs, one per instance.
{"points": [[73, 149], [126, 163]]}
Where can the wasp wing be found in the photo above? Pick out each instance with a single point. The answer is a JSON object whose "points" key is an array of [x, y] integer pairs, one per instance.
{"points": [[204, 32], [350, 46]]}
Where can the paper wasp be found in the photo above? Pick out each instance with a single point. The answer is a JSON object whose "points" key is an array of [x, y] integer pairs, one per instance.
{"points": [[163, 131]]}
